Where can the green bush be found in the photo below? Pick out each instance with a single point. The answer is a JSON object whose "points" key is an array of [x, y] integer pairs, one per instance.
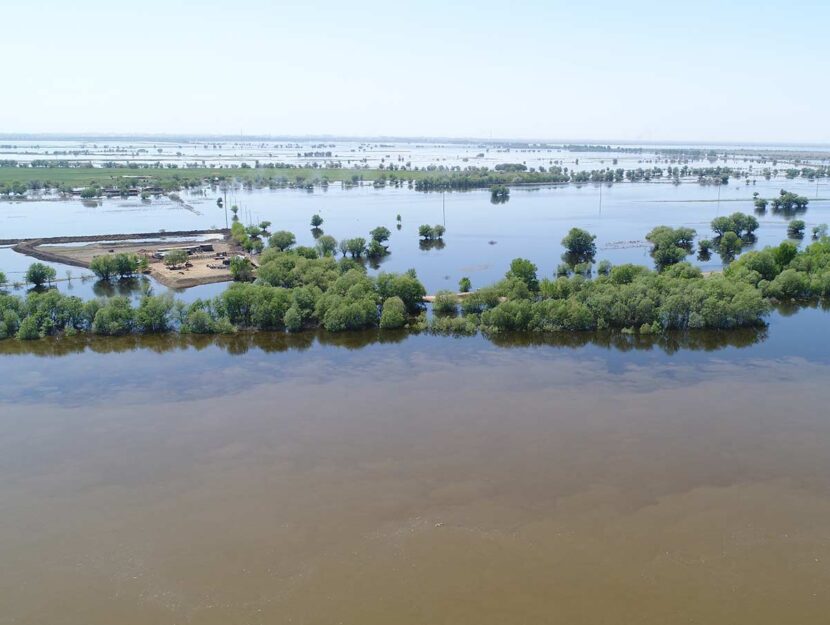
{"points": [[445, 303], [393, 314]]}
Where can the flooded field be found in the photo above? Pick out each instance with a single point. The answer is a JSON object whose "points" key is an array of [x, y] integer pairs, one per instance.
{"points": [[417, 480], [222, 152], [481, 240]]}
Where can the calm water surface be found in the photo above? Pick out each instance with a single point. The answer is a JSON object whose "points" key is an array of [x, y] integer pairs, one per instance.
{"points": [[418, 479], [481, 238]]}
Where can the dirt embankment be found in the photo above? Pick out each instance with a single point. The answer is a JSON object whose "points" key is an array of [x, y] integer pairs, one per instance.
{"points": [[93, 238], [202, 267]]}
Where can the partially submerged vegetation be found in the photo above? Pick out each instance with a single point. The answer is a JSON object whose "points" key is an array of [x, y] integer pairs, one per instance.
{"points": [[297, 289], [146, 180]]}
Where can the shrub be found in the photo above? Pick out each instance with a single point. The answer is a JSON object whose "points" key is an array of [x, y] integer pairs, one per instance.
{"points": [[114, 317], [241, 269], [445, 303], [154, 313], [28, 329], [393, 314], [406, 286]]}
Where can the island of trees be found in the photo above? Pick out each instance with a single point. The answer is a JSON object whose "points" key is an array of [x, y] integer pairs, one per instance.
{"points": [[296, 288]]}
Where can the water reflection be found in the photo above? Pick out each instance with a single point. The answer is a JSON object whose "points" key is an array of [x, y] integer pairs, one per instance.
{"points": [[271, 342], [124, 287], [431, 244]]}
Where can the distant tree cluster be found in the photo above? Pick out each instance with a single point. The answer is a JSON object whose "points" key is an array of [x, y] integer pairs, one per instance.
{"points": [[109, 266]]}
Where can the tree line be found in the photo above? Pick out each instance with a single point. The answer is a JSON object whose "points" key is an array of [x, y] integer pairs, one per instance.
{"points": [[294, 291]]}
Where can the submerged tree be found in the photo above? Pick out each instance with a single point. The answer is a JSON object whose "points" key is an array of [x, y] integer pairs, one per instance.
{"points": [[795, 229], [670, 246], [499, 194], [326, 245], [380, 234], [579, 247], [729, 246], [39, 274], [431, 233]]}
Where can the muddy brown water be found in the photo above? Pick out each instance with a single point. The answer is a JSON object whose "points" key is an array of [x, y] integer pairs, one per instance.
{"points": [[417, 480]]}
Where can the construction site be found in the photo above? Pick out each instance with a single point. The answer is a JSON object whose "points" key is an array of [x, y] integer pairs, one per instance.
{"points": [[207, 260]]}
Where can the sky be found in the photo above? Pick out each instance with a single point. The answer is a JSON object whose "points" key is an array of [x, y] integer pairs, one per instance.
{"points": [[696, 71]]}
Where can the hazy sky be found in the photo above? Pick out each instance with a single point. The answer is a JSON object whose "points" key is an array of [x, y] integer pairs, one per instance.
{"points": [[697, 70]]}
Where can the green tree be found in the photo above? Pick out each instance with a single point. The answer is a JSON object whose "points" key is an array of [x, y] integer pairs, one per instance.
{"points": [[670, 245], [356, 247], [175, 258], [116, 316], [524, 270], [784, 254], [282, 240], [375, 249], [28, 329], [393, 314], [39, 274], [464, 285], [125, 265], [316, 221], [405, 286], [795, 229], [579, 246], [154, 314], [326, 245], [380, 234], [729, 246], [103, 267]]}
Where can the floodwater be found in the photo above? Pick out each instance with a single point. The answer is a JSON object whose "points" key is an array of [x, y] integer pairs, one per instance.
{"points": [[481, 238], [215, 152], [390, 479]]}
